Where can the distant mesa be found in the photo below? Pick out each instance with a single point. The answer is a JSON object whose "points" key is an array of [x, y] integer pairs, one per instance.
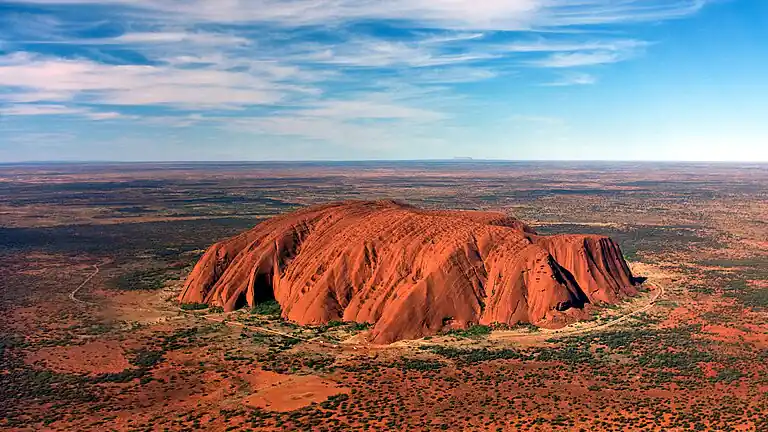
{"points": [[410, 272]]}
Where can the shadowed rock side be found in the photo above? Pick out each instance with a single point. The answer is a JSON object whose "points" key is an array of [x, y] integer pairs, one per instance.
{"points": [[410, 272]]}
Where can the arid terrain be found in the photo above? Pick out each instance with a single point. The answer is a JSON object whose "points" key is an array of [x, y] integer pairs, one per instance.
{"points": [[93, 337]]}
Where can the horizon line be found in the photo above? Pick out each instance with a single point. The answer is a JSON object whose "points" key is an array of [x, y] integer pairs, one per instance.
{"points": [[298, 161]]}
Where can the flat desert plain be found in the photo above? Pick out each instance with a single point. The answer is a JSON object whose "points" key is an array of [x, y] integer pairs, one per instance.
{"points": [[94, 338]]}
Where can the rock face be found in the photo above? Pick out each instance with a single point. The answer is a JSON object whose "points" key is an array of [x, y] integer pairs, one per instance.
{"points": [[410, 272]]}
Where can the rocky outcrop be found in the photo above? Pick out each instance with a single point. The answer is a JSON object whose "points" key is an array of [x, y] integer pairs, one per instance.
{"points": [[410, 272]]}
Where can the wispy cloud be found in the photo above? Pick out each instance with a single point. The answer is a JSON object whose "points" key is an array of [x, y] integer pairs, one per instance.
{"points": [[337, 70], [460, 14], [380, 53], [171, 37], [370, 109], [577, 59], [572, 79], [41, 109], [98, 83], [541, 45]]}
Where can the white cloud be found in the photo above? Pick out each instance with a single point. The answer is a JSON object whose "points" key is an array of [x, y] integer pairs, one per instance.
{"points": [[381, 53], [166, 37], [452, 75], [370, 109], [105, 115], [201, 56], [458, 14], [578, 54], [26, 96], [377, 120], [312, 128], [571, 79], [578, 59], [42, 109], [376, 136], [549, 46], [94, 82]]}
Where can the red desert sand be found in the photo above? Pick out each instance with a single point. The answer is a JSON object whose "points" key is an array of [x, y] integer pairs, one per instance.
{"points": [[410, 272], [276, 392]]}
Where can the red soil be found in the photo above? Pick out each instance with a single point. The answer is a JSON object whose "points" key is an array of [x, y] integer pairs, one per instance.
{"points": [[410, 271], [275, 392], [92, 358], [752, 334]]}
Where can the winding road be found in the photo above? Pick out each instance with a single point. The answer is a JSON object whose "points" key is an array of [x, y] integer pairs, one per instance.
{"points": [[566, 331], [73, 294]]}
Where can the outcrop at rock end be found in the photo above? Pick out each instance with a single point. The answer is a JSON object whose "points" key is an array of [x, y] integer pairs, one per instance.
{"points": [[410, 272]]}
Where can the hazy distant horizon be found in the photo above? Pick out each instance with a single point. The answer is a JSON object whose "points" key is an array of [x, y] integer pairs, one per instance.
{"points": [[374, 161]]}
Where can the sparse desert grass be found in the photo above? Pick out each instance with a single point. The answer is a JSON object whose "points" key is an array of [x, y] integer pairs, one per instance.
{"points": [[662, 371]]}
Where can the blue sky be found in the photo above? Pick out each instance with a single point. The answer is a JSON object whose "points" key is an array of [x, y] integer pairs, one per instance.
{"points": [[397, 79]]}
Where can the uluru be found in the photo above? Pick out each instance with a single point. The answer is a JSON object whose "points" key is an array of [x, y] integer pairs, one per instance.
{"points": [[410, 272]]}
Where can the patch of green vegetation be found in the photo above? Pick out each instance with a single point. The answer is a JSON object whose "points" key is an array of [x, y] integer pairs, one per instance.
{"points": [[147, 358], [330, 325], [182, 338], [755, 298], [572, 353], [22, 382], [333, 402], [359, 326], [124, 376], [274, 342], [667, 303], [728, 375], [100, 328], [420, 364], [682, 361], [89, 327], [473, 355], [750, 296], [193, 306], [665, 355], [757, 262], [142, 280], [297, 363], [270, 308], [528, 326]]}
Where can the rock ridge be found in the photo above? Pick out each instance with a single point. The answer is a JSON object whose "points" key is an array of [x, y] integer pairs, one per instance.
{"points": [[410, 272]]}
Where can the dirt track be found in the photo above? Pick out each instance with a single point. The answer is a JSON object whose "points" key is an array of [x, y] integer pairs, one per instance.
{"points": [[73, 294], [587, 328]]}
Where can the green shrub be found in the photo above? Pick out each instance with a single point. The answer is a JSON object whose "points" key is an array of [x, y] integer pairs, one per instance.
{"points": [[728, 375], [194, 306], [269, 308], [360, 326], [147, 358], [143, 280], [421, 365]]}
